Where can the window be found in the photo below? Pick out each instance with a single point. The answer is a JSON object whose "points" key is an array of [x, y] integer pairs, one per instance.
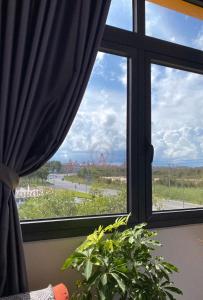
{"points": [[87, 175], [120, 14], [175, 21], [177, 131], [136, 142]]}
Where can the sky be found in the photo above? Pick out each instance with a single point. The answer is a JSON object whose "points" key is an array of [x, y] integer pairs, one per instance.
{"points": [[99, 127]]}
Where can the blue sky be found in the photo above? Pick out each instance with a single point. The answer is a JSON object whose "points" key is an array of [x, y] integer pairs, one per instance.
{"points": [[177, 98], [100, 124]]}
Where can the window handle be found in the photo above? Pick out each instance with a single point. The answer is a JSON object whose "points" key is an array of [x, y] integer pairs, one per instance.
{"points": [[150, 152]]}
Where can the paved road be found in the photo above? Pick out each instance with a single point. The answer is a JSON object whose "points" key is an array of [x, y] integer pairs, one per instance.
{"points": [[59, 183], [176, 204]]}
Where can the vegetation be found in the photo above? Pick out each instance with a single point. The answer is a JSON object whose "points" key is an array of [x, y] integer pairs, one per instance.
{"points": [[178, 184], [181, 184], [100, 177], [187, 194], [39, 177], [121, 264], [100, 171], [179, 177], [178, 172], [60, 203], [33, 181], [75, 179], [54, 166], [97, 183]]}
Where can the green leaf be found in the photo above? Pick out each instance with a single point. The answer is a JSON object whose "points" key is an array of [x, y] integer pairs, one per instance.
{"points": [[174, 290], [165, 274], [108, 245], [118, 223], [171, 268], [164, 283], [88, 269], [101, 295], [104, 279], [131, 239], [76, 257], [67, 263], [119, 281], [92, 280], [169, 296]]}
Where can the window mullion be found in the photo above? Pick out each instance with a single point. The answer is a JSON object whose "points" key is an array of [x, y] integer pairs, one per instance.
{"points": [[141, 136], [140, 17], [133, 172]]}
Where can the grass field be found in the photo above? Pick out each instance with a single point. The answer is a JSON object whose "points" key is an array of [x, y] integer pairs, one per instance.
{"points": [[75, 179], [188, 194]]}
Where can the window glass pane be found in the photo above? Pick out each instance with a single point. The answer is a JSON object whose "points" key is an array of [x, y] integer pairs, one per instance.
{"points": [[87, 175], [177, 136], [120, 14], [175, 22]]}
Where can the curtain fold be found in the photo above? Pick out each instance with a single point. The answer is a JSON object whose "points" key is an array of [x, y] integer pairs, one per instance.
{"points": [[47, 51]]}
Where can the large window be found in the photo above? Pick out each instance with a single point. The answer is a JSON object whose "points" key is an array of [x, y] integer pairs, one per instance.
{"points": [[177, 136], [87, 175], [135, 145]]}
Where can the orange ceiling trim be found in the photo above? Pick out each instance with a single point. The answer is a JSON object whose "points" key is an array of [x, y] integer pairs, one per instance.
{"points": [[182, 7]]}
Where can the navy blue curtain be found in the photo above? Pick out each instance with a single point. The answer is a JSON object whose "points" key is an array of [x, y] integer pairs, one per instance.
{"points": [[47, 51]]}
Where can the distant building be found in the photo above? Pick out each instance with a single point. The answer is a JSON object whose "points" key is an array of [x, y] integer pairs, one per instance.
{"points": [[71, 167]]}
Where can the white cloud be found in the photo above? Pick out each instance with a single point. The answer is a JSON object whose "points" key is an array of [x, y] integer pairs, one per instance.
{"points": [[173, 39], [152, 19], [98, 65], [100, 124], [100, 57], [123, 76], [177, 114], [198, 40], [169, 25]]}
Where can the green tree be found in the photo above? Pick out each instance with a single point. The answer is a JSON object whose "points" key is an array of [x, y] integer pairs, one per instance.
{"points": [[54, 166], [42, 173]]}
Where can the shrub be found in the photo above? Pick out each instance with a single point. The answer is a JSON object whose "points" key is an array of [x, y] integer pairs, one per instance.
{"points": [[121, 264]]}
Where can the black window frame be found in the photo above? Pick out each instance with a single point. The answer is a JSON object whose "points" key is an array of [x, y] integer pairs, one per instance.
{"points": [[141, 51], [167, 217]]}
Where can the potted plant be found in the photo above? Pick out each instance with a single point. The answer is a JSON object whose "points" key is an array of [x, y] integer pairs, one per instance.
{"points": [[119, 265]]}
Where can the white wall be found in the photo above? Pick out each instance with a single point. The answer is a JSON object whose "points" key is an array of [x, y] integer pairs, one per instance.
{"points": [[183, 246]]}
